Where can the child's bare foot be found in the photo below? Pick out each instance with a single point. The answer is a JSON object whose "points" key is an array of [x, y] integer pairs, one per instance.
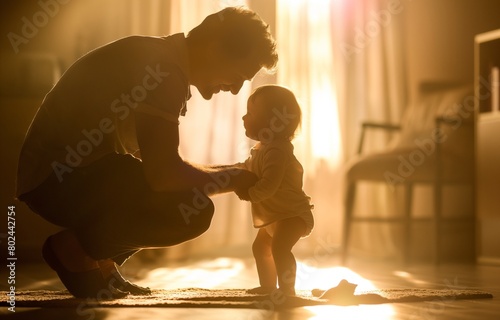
{"points": [[261, 290]]}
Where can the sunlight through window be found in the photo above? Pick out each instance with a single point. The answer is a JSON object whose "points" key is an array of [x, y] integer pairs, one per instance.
{"points": [[216, 273], [309, 277], [324, 112], [309, 70], [409, 277]]}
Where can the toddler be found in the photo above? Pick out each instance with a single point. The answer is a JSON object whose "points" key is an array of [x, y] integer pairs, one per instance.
{"points": [[280, 209]]}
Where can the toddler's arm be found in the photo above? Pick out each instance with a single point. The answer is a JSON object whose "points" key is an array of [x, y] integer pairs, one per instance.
{"points": [[274, 168]]}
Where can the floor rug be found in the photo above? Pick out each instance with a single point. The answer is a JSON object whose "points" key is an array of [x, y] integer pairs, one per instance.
{"points": [[233, 298]]}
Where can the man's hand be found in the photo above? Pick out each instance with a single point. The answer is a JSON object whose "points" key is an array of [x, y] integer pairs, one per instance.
{"points": [[243, 195], [244, 181]]}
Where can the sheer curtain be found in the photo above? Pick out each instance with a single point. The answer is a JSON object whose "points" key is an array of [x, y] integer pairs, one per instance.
{"points": [[344, 60]]}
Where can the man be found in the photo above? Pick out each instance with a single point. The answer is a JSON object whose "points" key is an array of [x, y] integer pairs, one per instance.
{"points": [[101, 156]]}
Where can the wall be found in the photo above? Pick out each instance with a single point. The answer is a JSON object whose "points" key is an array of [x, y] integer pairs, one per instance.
{"points": [[440, 37]]}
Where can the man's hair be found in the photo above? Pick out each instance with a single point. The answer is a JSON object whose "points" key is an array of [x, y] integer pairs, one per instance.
{"points": [[280, 103], [241, 33]]}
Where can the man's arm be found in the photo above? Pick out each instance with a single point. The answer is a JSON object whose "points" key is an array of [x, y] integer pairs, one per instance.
{"points": [[166, 171]]}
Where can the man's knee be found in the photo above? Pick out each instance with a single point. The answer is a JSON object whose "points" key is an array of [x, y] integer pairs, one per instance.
{"points": [[199, 221], [206, 214]]}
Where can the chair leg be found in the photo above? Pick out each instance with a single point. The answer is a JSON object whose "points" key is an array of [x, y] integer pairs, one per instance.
{"points": [[408, 194], [438, 184], [437, 221], [349, 206]]}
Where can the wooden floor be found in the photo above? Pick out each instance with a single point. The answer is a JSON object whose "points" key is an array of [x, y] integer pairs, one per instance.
{"points": [[240, 273]]}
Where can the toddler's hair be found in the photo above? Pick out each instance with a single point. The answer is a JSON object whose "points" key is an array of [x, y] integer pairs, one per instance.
{"points": [[280, 106]]}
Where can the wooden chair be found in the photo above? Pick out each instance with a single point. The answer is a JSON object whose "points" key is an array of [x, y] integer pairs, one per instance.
{"points": [[436, 140]]}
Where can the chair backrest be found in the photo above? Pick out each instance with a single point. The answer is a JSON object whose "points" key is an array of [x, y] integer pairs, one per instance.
{"points": [[440, 99]]}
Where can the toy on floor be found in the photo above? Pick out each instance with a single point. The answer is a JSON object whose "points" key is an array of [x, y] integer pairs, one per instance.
{"points": [[343, 293]]}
